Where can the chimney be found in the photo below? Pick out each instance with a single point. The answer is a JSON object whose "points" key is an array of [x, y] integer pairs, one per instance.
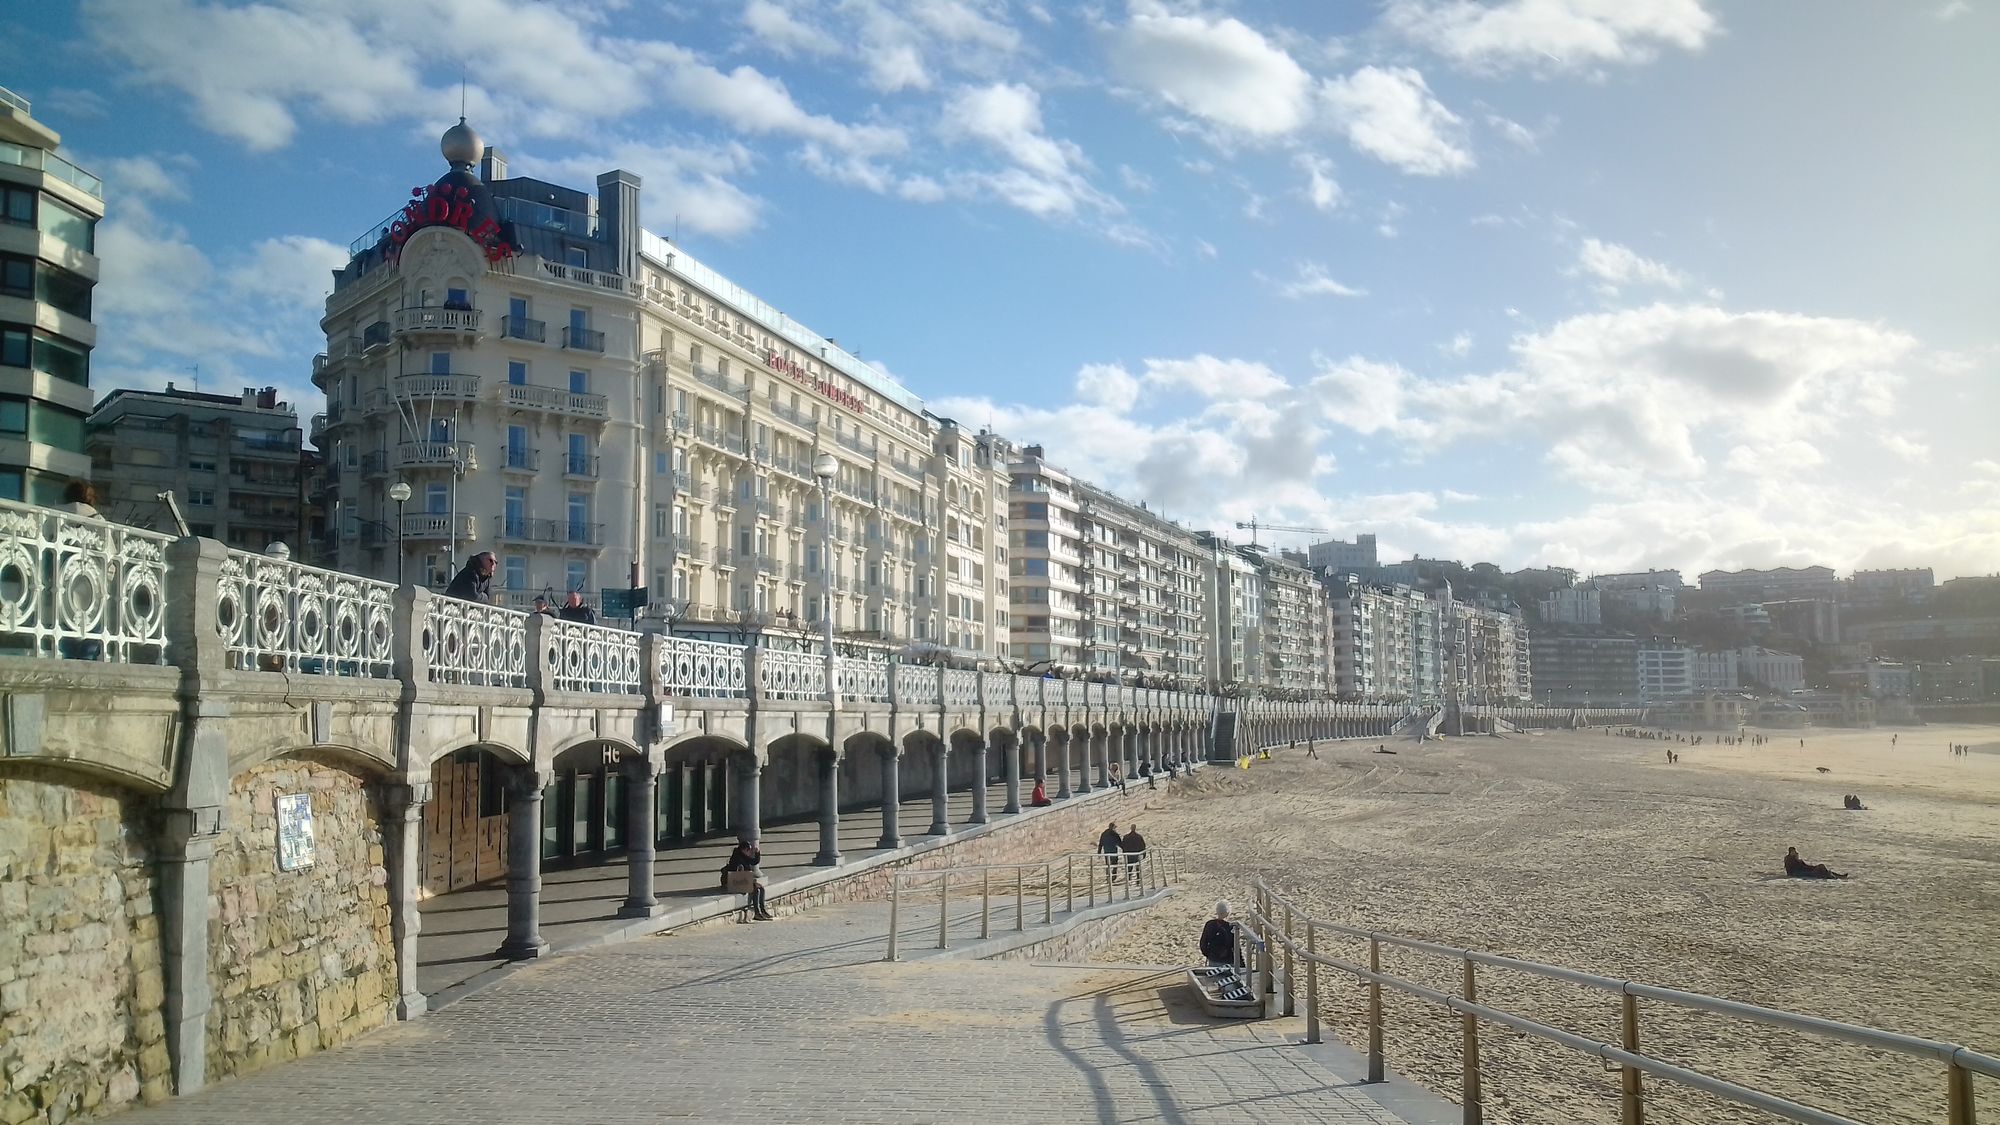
{"points": [[492, 166], [618, 218]]}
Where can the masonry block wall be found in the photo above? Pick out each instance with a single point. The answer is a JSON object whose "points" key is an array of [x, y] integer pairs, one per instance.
{"points": [[298, 960], [81, 1029]]}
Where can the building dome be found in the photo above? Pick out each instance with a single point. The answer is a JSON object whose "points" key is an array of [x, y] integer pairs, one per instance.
{"points": [[461, 145]]}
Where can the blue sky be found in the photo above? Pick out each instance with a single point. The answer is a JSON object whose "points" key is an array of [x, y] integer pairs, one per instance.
{"points": [[1598, 283]]}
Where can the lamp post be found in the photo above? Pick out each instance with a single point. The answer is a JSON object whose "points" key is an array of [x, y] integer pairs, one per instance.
{"points": [[824, 467], [400, 493]]}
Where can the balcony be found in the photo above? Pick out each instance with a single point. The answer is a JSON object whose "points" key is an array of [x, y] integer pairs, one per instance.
{"points": [[319, 428], [583, 339], [433, 454], [576, 533], [580, 466], [437, 525], [722, 382], [681, 483], [521, 328], [852, 440], [375, 336], [555, 400], [437, 320], [374, 464], [794, 415], [725, 557], [517, 459], [455, 388], [283, 486]]}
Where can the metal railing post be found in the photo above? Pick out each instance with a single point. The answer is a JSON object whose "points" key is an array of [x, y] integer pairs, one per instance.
{"points": [[1291, 966], [1473, 1112], [1632, 1101], [944, 904], [895, 908], [1374, 1010], [1048, 893], [1020, 899], [1958, 1094], [985, 903], [1069, 877], [1312, 981]]}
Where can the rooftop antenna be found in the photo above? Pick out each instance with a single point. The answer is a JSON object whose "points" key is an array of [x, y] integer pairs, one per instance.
{"points": [[461, 93], [196, 368]]}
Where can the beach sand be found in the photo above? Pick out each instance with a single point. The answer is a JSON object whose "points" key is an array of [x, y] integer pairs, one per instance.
{"points": [[1588, 850]]}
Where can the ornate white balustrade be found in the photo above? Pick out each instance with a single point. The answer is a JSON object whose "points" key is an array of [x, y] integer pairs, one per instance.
{"points": [[275, 615], [791, 675], [593, 658], [961, 688], [474, 645], [703, 669], [862, 681], [1000, 689], [81, 588], [917, 685]]}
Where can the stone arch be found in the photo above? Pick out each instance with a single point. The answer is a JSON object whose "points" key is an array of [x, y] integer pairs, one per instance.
{"points": [[701, 745], [789, 788], [374, 762], [570, 747], [507, 754], [861, 768], [698, 786]]}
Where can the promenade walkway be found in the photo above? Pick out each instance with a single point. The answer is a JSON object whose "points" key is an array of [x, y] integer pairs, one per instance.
{"points": [[798, 1020]]}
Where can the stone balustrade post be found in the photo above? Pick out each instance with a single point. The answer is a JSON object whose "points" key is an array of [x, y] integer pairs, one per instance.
{"points": [[409, 619], [642, 784], [541, 671]]}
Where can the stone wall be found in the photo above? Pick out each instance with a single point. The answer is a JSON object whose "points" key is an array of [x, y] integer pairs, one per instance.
{"points": [[1078, 943], [80, 978], [298, 960]]}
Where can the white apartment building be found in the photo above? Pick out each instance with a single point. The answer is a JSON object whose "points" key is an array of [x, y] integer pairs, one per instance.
{"points": [[1296, 642], [1488, 654], [49, 209], [1144, 594], [1576, 605], [602, 410], [1045, 565], [1234, 653], [1715, 670], [1388, 643], [1338, 555], [1666, 669], [1768, 668]]}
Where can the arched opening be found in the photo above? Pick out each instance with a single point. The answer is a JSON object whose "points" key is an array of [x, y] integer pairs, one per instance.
{"points": [[790, 790], [584, 807], [697, 794], [465, 821]]}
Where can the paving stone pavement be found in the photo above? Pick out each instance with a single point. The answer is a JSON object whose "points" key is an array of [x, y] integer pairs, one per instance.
{"points": [[798, 1021]]}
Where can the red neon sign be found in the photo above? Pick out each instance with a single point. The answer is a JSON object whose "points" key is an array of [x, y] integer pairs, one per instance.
{"points": [[442, 205], [800, 375]]}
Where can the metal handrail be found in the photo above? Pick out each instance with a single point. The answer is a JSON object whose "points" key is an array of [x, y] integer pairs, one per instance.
{"points": [[1960, 1061], [1155, 869]]}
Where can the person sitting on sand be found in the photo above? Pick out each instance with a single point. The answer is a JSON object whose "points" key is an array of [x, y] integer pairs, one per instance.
{"points": [[1799, 869], [1218, 937]]}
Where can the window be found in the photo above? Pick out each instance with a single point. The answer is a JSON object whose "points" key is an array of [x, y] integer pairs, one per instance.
{"points": [[201, 466], [17, 277], [456, 299], [440, 363], [515, 572], [578, 257], [516, 517], [13, 416], [13, 484], [662, 521], [16, 347], [62, 359], [517, 372], [579, 382], [517, 309], [201, 497], [579, 517], [60, 220], [579, 454], [440, 429], [17, 205], [579, 321], [576, 576], [437, 499], [1034, 568]]}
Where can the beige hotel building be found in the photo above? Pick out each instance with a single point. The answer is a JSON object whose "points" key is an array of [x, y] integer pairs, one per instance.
{"points": [[601, 410]]}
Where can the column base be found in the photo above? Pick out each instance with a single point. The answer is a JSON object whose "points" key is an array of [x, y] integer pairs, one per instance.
{"points": [[411, 1005], [525, 950], [642, 909], [939, 828], [829, 859], [887, 842]]}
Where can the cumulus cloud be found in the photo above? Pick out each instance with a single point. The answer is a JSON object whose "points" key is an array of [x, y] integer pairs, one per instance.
{"points": [[1615, 267], [148, 177], [1389, 113], [294, 269], [1046, 176], [1552, 35], [1220, 70], [1322, 190], [1906, 448], [1313, 281], [1210, 377], [783, 32], [696, 176]]}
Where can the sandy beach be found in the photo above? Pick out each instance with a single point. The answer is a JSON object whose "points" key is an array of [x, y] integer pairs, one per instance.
{"points": [[1588, 850]]}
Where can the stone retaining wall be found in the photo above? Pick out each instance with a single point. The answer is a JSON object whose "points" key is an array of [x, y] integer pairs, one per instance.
{"points": [[1079, 942], [81, 987], [298, 960]]}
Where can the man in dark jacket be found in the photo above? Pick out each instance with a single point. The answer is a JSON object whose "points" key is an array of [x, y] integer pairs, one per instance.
{"points": [[574, 610], [475, 581], [1218, 937], [1110, 845], [1133, 845]]}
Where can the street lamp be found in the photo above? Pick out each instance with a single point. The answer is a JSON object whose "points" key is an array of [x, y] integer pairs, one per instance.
{"points": [[824, 467], [400, 493]]}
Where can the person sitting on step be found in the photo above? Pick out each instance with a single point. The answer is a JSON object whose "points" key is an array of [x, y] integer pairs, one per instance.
{"points": [[743, 875], [1218, 937]]}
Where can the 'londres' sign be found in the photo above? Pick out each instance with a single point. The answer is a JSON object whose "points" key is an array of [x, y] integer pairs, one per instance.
{"points": [[447, 205], [800, 375]]}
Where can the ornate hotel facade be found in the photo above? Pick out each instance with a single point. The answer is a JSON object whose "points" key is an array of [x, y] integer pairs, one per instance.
{"points": [[604, 412]]}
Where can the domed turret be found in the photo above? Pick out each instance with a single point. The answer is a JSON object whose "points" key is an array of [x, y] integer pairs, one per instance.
{"points": [[461, 145]]}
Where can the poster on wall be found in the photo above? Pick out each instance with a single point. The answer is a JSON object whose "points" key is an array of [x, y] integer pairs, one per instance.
{"points": [[295, 831]]}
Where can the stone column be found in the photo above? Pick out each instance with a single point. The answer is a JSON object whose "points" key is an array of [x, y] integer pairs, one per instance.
{"points": [[941, 789], [403, 833], [749, 798], [1086, 751], [1042, 757], [1062, 787], [1100, 749], [892, 796], [1013, 778], [979, 786], [829, 810], [694, 798], [641, 798], [187, 846], [524, 865]]}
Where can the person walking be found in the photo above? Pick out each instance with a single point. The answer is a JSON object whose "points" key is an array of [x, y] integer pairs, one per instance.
{"points": [[1134, 846], [474, 581], [1110, 845], [574, 610]]}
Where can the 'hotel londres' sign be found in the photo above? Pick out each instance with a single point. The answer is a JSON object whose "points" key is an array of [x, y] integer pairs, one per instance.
{"points": [[799, 374], [447, 205]]}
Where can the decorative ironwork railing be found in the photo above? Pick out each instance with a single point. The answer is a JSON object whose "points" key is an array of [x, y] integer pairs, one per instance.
{"points": [[275, 615], [703, 669], [476, 645], [792, 675], [594, 658], [1003, 690], [916, 683], [81, 588], [961, 688], [862, 681]]}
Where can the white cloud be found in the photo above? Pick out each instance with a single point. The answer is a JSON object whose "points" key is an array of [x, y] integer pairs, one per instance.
{"points": [[1206, 249], [294, 269], [1987, 466], [1915, 452], [692, 176], [754, 102], [1107, 385], [1321, 188], [1214, 378], [1045, 179], [896, 66], [1552, 35], [1312, 281], [1389, 113], [1460, 345], [1514, 132], [780, 30], [1615, 267], [148, 177], [1220, 70], [1952, 9], [1135, 180]]}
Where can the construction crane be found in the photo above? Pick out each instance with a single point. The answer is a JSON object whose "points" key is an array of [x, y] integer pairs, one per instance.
{"points": [[1253, 525]]}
